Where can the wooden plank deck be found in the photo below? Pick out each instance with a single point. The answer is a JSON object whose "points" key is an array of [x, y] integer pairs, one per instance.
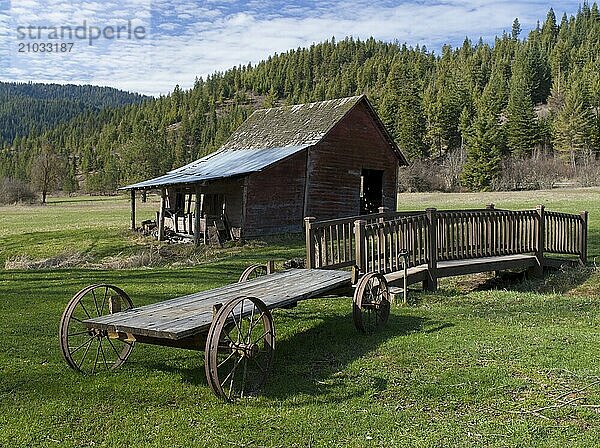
{"points": [[185, 316]]}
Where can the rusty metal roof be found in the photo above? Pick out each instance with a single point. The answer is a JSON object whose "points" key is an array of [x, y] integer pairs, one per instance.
{"points": [[266, 137], [221, 164]]}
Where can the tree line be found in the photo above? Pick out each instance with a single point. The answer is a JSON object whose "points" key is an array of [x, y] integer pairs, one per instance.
{"points": [[473, 107]]}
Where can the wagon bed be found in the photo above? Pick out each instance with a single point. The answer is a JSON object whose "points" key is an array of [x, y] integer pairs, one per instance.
{"points": [[192, 314]]}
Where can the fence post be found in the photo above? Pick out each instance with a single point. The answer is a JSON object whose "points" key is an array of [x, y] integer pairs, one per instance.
{"points": [[538, 271], [381, 211], [430, 282], [360, 246], [583, 238], [310, 246]]}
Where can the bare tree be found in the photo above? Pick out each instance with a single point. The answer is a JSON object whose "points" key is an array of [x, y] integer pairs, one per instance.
{"points": [[47, 171]]}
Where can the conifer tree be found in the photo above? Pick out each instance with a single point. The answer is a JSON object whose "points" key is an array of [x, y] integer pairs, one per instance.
{"points": [[573, 126], [516, 29], [521, 132], [402, 111], [482, 142]]}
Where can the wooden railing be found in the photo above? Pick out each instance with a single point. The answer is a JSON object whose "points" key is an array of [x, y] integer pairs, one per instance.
{"points": [[384, 242], [566, 234], [463, 235], [331, 244], [380, 242]]}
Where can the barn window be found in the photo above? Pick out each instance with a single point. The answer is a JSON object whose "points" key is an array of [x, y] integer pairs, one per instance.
{"points": [[371, 191]]}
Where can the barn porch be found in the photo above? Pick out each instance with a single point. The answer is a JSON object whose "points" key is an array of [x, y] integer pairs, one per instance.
{"points": [[219, 217]]}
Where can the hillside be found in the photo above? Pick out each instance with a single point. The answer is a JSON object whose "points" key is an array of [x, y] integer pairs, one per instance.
{"points": [[31, 108], [469, 113]]}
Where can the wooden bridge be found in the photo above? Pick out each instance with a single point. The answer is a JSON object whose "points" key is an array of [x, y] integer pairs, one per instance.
{"points": [[442, 243]]}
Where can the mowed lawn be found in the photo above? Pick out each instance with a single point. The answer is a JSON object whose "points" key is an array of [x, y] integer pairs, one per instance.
{"points": [[471, 365]]}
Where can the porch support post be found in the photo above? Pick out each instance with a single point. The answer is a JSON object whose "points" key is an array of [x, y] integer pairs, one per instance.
{"points": [[132, 226], [197, 215], [161, 214]]}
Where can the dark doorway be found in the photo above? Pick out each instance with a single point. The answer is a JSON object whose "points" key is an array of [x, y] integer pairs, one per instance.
{"points": [[371, 191]]}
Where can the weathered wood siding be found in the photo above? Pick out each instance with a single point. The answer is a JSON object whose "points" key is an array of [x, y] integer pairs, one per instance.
{"points": [[275, 198], [335, 165], [233, 190]]}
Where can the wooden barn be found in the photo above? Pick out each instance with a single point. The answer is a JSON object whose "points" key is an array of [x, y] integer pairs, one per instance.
{"points": [[328, 159]]}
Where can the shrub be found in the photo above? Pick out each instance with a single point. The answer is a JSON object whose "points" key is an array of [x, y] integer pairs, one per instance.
{"points": [[539, 171], [420, 175], [13, 191]]}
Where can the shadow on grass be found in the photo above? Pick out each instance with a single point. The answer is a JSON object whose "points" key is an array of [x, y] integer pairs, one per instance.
{"points": [[557, 281], [312, 363]]}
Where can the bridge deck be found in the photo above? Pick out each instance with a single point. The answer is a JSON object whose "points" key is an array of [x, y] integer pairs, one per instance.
{"points": [[462, 267], [192, 314]]}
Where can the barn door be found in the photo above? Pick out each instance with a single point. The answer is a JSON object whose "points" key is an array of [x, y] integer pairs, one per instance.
{"points": [[371, 191]]}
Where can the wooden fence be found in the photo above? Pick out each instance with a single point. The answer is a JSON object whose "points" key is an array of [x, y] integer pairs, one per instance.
{"points": [[379, 242]]}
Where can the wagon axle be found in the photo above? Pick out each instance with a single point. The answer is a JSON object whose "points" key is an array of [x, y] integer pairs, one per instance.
{"points": [[245, 350]]}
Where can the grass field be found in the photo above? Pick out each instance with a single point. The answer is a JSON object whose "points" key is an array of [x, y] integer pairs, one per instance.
{"points": [[471, 365]]}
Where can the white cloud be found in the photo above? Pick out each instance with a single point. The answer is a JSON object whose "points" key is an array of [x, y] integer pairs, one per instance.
{"points": [[189, 38]]}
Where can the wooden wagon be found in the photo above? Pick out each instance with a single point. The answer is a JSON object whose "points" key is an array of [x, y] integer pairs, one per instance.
{"points": [[234, 325]]}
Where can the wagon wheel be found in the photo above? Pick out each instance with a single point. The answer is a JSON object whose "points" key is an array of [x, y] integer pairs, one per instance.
{"points": [[252, 272], [90, 350], [371, 303], [239, 348]]}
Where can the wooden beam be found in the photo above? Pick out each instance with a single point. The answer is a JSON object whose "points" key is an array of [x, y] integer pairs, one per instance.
{"points": [[244, 206], [360, 245], [161, 214], [310, 246], [583, 235], [538, 271], [197, 216], [132, 226], [430, 283]]}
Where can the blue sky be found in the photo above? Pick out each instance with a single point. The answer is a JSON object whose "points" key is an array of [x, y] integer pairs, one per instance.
{"points": [[183, 39]]}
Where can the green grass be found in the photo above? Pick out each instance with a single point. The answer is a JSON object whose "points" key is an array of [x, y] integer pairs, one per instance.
{"points": [[467, 366]]}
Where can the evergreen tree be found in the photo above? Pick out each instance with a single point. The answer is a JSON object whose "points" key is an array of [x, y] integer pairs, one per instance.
{"points": [[482, 142], [521, 132], [573, 126], [516, 29], [402, 111]]}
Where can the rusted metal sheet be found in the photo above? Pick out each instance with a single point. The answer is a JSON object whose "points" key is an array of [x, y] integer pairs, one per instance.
{"points": [[221, 164]]}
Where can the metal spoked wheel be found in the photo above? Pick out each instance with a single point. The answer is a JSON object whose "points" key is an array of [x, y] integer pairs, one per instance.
{"points": [[240, 348], [371, 303], [90, 350], [252, 272]]}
